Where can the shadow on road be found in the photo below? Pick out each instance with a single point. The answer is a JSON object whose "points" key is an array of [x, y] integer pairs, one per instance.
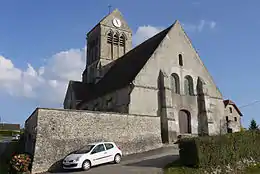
{"points": [[155, 162]]}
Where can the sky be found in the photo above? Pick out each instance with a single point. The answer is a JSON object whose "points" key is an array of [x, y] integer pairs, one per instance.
{"points": [[42, 46]]}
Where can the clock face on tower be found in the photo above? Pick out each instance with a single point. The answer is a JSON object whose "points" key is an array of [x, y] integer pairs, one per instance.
{"points": [[116, 22]]}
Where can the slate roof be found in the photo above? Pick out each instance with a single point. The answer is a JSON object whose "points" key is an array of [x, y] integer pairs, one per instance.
{"points": [[125, 69], [230, 102]]}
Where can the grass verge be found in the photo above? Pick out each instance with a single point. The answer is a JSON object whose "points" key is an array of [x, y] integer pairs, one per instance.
{"points": [[177, 168]]}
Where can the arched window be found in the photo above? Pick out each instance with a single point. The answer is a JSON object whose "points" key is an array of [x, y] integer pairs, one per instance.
{"points": [[185, 122], [180, 60], [200, 83], [116, 39], [188, 85], [110, 37], [122, 40], [175, 83]]}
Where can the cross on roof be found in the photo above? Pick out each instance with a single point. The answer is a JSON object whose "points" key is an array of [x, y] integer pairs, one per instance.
{"points": [[109, 8]]}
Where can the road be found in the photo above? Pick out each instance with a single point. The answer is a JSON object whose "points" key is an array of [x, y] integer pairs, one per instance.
{"points": [[144, 163]]}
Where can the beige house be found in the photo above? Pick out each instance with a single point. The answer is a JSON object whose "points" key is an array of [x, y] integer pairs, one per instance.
{"points": [[233, 116], [162, 77]]}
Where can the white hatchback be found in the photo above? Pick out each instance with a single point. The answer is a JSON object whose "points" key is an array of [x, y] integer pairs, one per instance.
{"points": [[92, 155]]}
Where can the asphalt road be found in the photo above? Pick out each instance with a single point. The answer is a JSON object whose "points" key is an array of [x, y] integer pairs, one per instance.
{"points": [[144, 163]]}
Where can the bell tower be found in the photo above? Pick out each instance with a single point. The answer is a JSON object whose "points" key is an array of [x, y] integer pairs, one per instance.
{"points": [[110, 39]]}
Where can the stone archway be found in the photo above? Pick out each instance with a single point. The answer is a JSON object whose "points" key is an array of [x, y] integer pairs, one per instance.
{"points": [[185, 122]]}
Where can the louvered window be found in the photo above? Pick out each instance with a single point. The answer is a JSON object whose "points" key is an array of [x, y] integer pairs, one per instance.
{"points": [[122, 41], [116, 39], [109, 37]]}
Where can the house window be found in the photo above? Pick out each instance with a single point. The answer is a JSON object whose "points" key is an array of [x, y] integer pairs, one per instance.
{"points": [[180, 60], [226, 118], [188, 85], [230, 110], [235, 118]]}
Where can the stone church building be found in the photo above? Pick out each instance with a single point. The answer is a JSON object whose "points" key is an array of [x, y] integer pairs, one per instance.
{"points": [[162, 77], [141, 98]]}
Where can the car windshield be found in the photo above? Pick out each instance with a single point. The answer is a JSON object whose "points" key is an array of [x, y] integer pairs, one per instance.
{"points": [[84, 149]]}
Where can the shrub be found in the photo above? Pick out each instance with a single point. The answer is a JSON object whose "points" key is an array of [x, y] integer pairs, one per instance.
{"points": [[220, 150], [20, 163]]}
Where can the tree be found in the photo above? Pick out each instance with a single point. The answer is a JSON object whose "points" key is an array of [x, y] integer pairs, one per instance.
{"points": [[253, 125]]}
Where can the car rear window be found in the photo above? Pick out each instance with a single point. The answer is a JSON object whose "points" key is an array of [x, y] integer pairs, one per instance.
{"points": [[109, 146]]}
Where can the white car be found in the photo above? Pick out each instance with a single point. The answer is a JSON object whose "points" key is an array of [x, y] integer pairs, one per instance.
{"points": [[92, 155]]}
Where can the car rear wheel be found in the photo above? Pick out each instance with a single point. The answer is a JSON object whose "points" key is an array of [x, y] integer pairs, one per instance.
{"points": [[117, 158], [86, 165]]}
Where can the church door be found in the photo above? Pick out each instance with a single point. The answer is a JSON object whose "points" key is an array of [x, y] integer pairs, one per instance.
{"points": [[184, 122]]}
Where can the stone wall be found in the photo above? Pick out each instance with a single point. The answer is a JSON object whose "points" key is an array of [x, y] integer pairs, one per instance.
{"points": [[30, 132], [116, 101], [60, 132]]}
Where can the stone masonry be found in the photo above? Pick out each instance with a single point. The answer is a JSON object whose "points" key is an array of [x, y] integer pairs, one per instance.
{"points": [[59, 132]]}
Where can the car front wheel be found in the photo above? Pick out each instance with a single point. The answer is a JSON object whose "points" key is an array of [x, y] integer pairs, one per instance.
{"points": [[117, 159], [86, 165]]}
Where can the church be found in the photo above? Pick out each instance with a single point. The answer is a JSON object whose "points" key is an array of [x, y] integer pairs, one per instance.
{"points": [[162, 77], [141, 98]]}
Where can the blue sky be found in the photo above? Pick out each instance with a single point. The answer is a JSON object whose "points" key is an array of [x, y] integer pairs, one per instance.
{"points": [[39, 40]]}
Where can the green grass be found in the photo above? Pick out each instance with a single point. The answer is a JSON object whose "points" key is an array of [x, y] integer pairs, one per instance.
{"points": [[253, 169], [177, 168]]}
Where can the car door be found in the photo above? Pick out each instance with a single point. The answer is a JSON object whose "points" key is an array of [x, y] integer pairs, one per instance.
{"points": [[99, 154], [110, 151]]}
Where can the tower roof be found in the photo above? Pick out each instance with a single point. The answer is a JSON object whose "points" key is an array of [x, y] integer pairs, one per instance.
{"points": [[107, 21]]}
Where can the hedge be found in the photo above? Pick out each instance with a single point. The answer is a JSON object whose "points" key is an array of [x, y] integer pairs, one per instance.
{"points": [[220, 150], [8, 132]]}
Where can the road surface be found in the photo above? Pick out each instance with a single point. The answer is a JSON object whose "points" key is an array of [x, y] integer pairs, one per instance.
{"points": [[144, 163]]}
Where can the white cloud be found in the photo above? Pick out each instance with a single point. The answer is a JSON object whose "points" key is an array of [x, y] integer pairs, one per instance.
{"points": [[202, 25], [145, 32], [47, 83]]}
